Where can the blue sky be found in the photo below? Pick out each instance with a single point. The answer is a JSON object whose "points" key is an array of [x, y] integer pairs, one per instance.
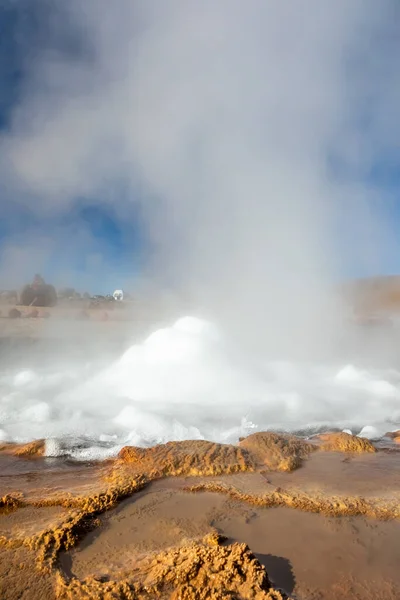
{"points": [[112, 245], [92, 133]]}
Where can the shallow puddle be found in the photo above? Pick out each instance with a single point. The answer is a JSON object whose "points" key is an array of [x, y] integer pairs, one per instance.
{"points": [[321, 557], [336, 473], [314, 556], [149, 521]]}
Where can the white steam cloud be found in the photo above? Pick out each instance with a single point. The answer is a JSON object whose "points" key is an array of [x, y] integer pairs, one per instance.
{"points": [[246, 131]]}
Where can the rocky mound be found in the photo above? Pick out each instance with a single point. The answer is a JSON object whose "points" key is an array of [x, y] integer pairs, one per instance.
{"points": [[31, 449], [344, 442], [277, 452], [394, 435], [195, 571], [195, 457], [198, 457]]}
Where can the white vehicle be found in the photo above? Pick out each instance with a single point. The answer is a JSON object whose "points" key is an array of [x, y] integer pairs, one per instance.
{"points": [[118, 295]]}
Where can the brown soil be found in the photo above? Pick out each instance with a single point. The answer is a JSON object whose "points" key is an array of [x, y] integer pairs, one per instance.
{"points": [[153, 520], [29, 521], [51, 480], [307, 554], [20, 578], [130, 529]]}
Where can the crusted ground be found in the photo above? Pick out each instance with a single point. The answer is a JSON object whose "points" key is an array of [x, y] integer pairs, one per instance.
{"points": [[333, 506], [276, 452], [196, 457], [196, 565], [31, 449], [10, 500], [20, 578], [269, 450], [344, 442], [195, 571]]}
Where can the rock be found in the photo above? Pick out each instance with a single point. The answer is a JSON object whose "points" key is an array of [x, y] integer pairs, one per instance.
{"points": [[276, 451], [14, 313], [343, 442], [196, 457], [392, 434], [199, 457], [31, 449], [196, 570]]}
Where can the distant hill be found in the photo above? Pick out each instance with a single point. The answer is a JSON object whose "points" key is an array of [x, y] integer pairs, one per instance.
{"points": [[374, 295]]}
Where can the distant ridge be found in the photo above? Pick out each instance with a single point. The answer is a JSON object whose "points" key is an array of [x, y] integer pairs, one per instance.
{"points": [[374, 295]]}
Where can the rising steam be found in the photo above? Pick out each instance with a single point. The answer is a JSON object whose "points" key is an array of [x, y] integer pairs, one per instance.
{"points": [[226, 121], [245, 132]]}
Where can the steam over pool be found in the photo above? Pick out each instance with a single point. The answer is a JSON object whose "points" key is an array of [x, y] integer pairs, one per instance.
{"points": [[183, 382]]}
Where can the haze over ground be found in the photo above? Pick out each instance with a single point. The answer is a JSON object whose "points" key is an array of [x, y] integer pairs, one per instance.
{"points": [[241, 155]]}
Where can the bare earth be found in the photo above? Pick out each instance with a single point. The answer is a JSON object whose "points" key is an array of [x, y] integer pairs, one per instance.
{"points": [[273, 517]]}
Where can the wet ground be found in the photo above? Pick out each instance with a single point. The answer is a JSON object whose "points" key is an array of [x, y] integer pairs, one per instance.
{"points": [[313, 556], [327, 530]]}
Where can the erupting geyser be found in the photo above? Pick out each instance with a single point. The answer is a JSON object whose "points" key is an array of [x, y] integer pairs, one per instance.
{"points": [[182, 382]]}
